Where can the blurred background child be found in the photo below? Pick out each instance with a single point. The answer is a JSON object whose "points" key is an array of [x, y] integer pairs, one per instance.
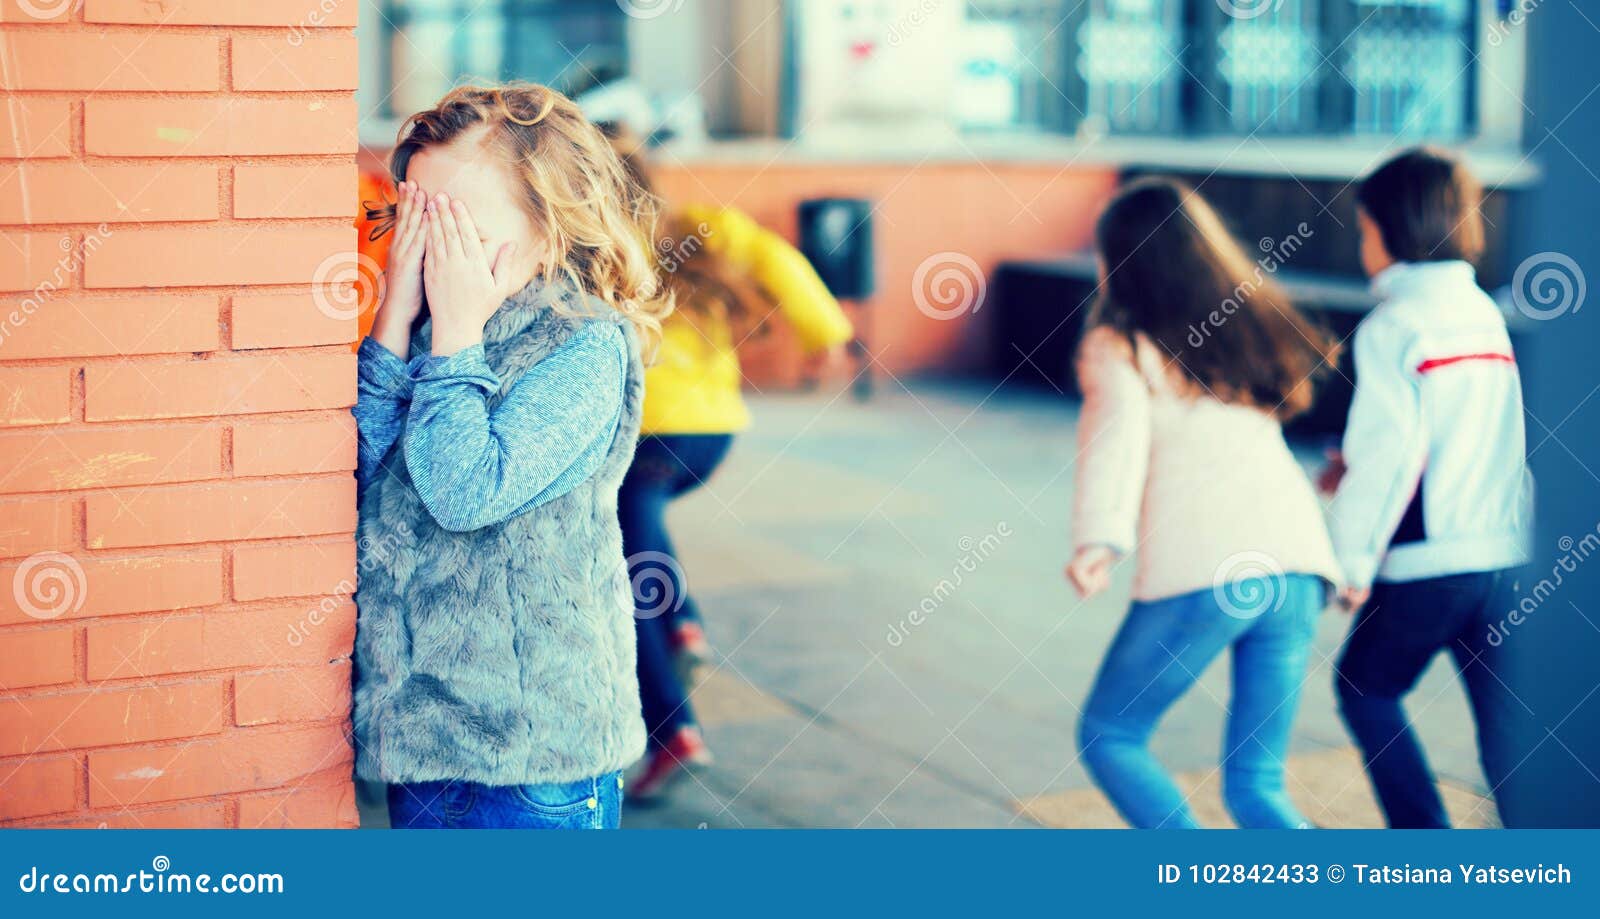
{"points": [[1182, 459], [1432, 512], [728, 275]]}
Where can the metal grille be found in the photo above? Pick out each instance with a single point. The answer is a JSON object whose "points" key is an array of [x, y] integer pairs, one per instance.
{"points": [[1408, 66], [433, 44], [1129, 59], [1267, 69], [1049, 90]]}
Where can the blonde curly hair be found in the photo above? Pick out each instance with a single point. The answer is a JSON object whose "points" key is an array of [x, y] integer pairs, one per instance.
{"points": [[598, 222]]}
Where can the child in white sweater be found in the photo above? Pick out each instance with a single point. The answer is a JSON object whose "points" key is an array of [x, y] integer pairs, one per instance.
{"points": [[1192, 361]]}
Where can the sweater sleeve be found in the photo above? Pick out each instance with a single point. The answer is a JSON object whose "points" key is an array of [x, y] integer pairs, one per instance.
{"points": [[382, 396], [474, 466], [1113, 444], [782, 271], [1385, 449]]}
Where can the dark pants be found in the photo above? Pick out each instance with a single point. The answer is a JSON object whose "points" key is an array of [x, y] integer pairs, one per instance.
{"points": [[1395, 636], [665, 467]]}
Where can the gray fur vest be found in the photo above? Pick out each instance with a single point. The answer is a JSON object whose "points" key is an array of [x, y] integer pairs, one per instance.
{"points": [[503, 656]]}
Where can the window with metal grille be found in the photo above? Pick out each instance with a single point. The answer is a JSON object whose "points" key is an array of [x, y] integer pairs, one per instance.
{"points": [[431, 45], [1401, 69]]}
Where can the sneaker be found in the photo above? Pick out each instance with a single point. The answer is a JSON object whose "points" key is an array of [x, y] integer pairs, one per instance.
{"points": [[669, 763], [689, 641]]}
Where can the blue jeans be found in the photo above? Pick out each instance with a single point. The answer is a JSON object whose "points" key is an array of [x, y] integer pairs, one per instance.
{"points": [[1160, 651], [587, 804], [1396, 635], [665, 467]]}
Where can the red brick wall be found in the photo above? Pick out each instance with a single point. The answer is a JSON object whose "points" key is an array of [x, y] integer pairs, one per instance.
{"points": [[176, 506]]}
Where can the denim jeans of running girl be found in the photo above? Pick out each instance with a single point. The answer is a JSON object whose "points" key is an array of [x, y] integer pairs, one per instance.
{"points": [[1159, 653]]}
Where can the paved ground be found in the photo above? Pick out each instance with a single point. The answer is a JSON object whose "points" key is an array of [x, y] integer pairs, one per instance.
{"points": [[832, 521]]}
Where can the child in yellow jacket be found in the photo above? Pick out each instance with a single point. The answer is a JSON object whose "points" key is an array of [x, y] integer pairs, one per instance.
{"points": [[728, 274]]}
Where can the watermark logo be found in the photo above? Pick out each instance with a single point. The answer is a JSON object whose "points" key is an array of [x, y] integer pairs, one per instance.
{"points": [[657, 582], [910, 21], [347, 284], [370, 553], [61, 276], [317, 17], [1574, 552], [674, 252], [1275, 253], [49, 585], [158, 878], [47, 9], [1248, 584], [974, 552], [649, 9], [1548, 285], [1248, 9], [947, 285], [1514, 17]]}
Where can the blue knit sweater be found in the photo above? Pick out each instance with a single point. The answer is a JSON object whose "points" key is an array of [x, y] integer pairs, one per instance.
{"points": [[472, 468]]}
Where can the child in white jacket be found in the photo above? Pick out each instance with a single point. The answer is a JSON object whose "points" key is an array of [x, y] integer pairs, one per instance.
{"points": [[1431, 510]]}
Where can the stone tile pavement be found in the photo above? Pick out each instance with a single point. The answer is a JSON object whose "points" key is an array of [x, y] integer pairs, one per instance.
{"points": [[832, 521]]}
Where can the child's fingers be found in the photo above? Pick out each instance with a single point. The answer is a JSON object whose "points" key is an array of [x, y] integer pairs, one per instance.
{"points": [[402, 211], [444, 213], [435, 234], [471, 243], [409, 218]]}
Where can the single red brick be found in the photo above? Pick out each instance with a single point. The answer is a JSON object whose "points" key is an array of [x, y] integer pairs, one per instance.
{"points": [[330, 805], [35, 395], [242, 760], [41, 263], [294, 446], [177, 514], [311, 633], [44, 723], [218, 256], [212, 815], [315, 631], [38, 657], [34, 128], [272, 64], [107, 62], [293, 320], [300, 569], [219, 126], [69, 325], [147, 647], [38, 785], [323, 190], [61, 459], [36, 193], [33, 525], [297, 694], [116, 586], [233, 386], [302, 15]]}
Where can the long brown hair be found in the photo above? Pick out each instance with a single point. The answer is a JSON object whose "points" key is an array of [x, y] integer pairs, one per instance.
{"points": [[700, 277], [599, 225], [1175, 276]]}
